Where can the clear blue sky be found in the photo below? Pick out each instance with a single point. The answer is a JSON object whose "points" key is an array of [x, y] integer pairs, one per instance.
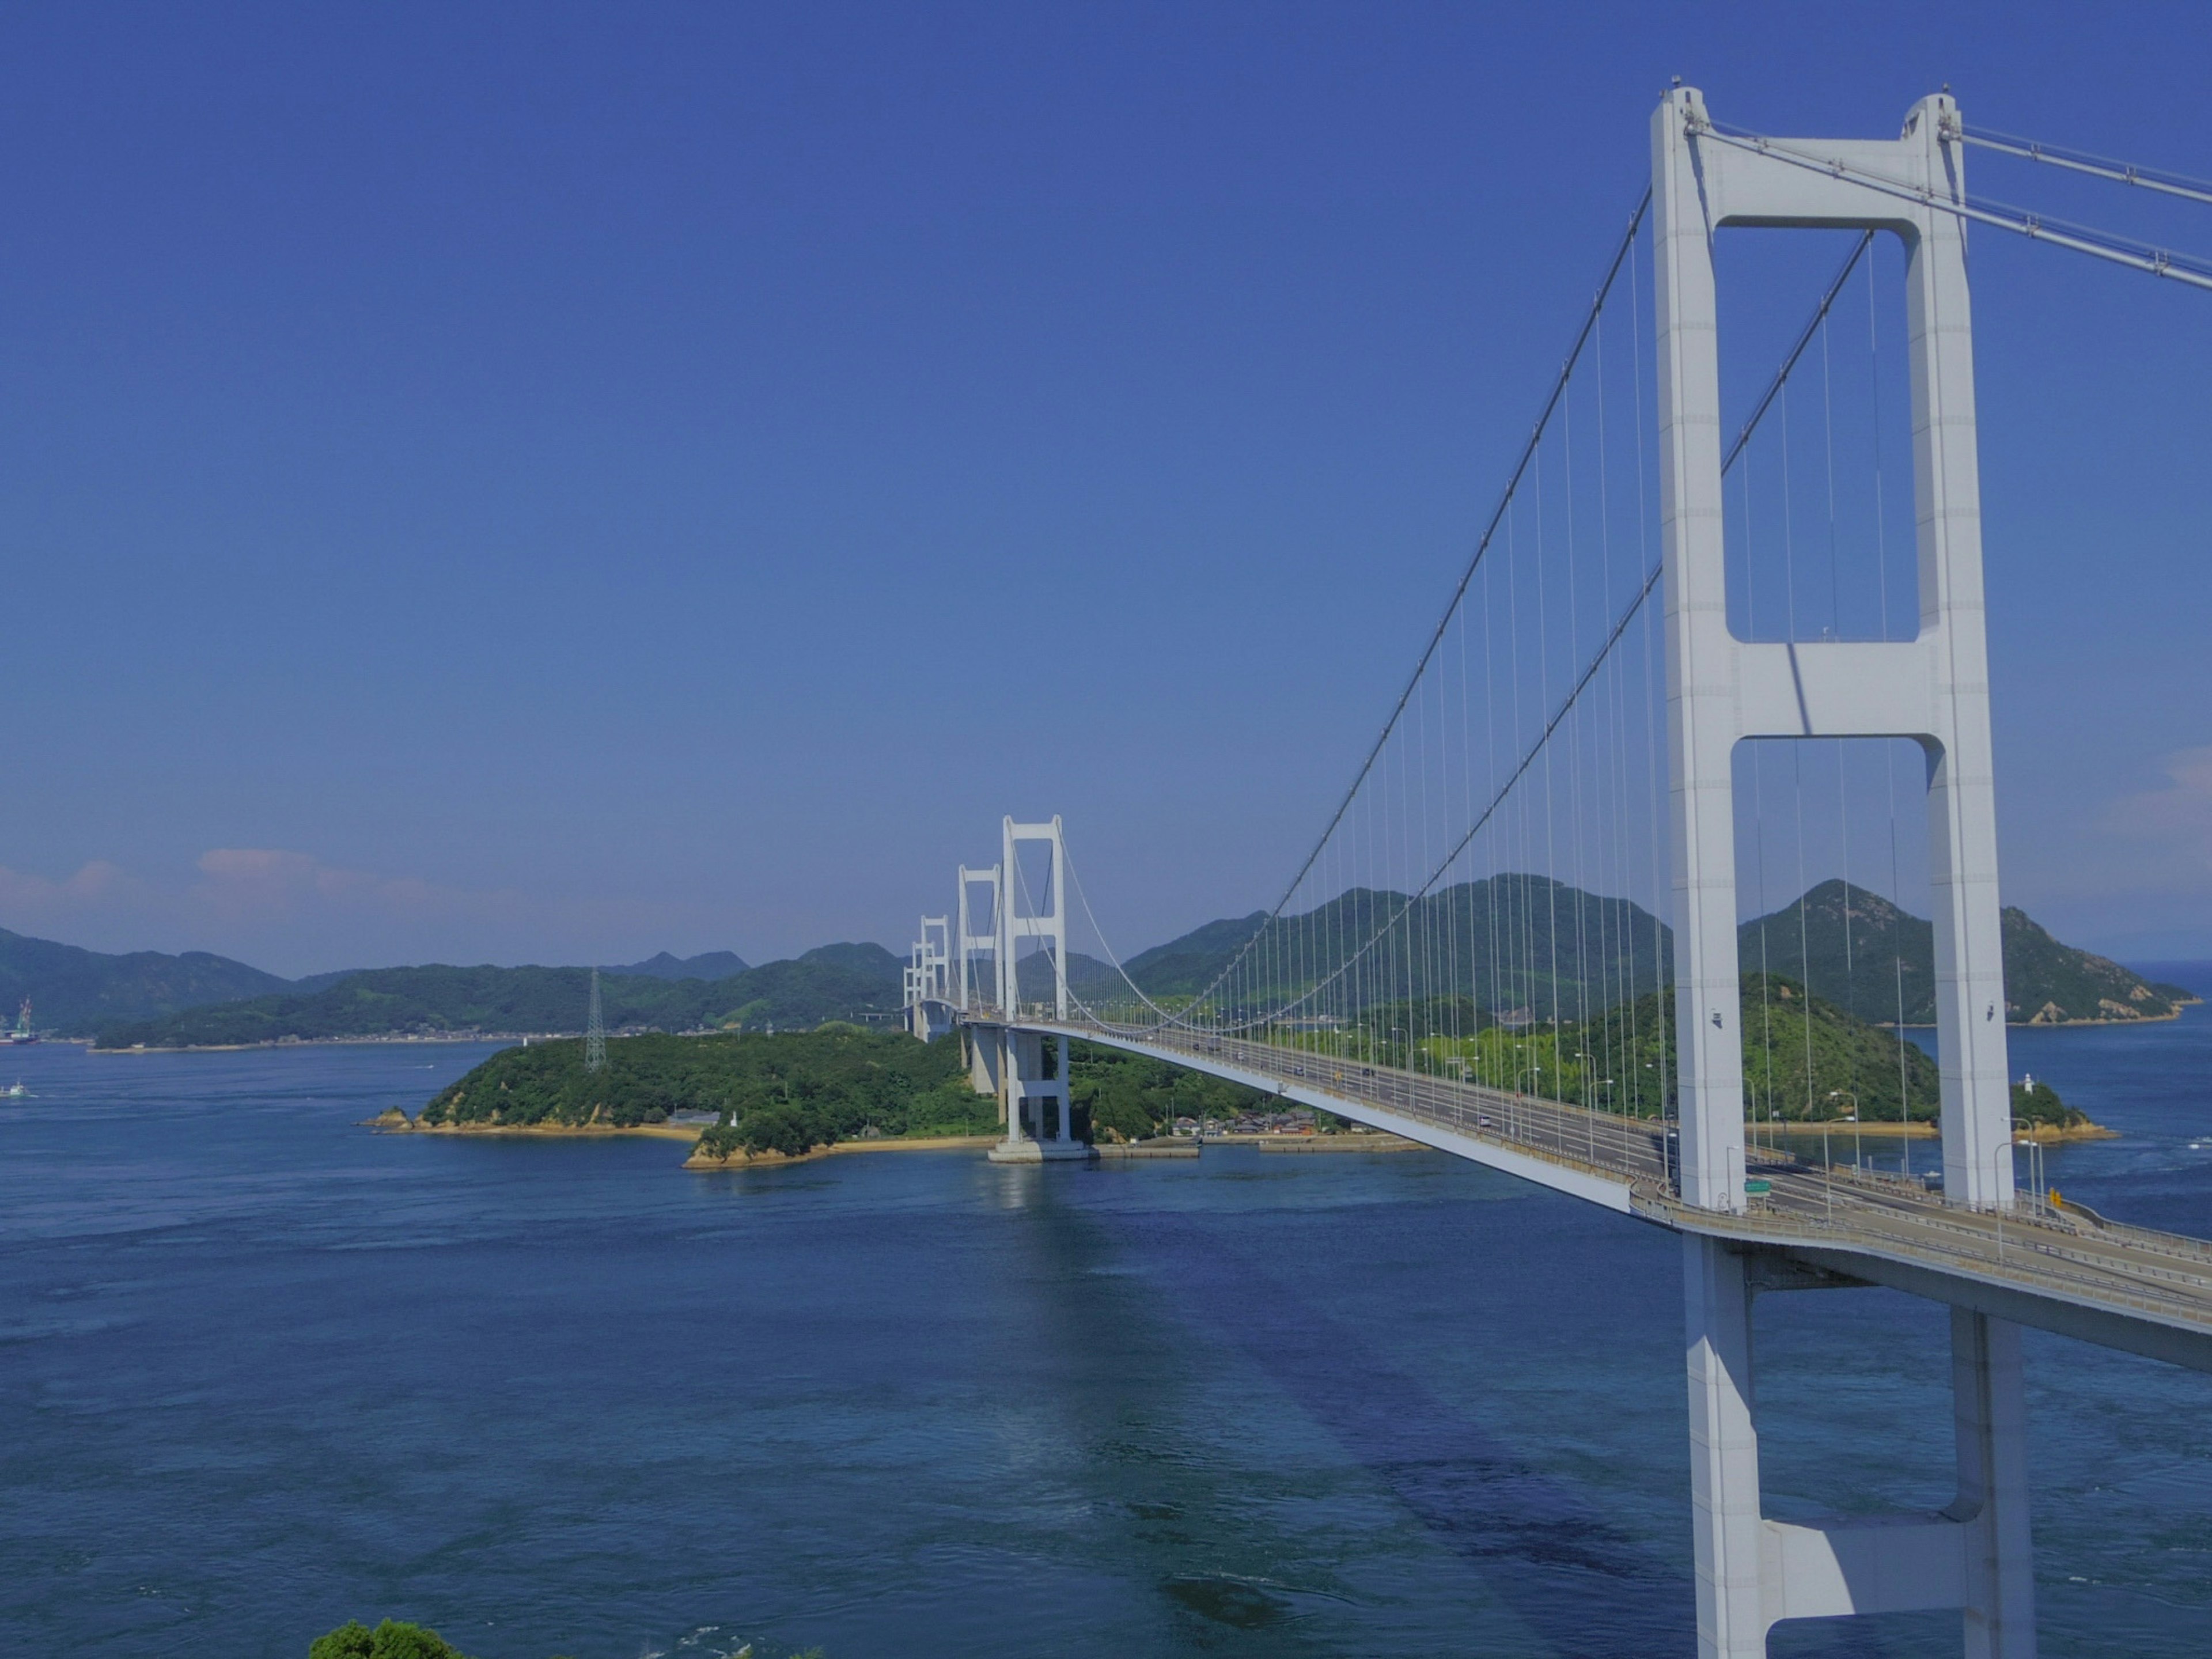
{"points": [[550, 484]]}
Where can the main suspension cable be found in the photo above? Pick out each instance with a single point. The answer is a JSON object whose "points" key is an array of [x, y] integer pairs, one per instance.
{"points": [[1482, 547], [1635, 604], [2081, 160], [2193, 271]]}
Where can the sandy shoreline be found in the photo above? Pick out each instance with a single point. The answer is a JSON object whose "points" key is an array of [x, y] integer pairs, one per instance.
{"points": [[413, 1041], [397, 1123], [744, 1160]]}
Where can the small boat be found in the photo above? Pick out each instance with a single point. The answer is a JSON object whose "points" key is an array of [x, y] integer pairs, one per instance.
{"points": [[15, 1093]]}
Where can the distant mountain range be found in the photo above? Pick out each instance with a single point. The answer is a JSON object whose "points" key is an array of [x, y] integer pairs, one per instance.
{"points": [[837, 982], [196, 998], [1560, 950]]}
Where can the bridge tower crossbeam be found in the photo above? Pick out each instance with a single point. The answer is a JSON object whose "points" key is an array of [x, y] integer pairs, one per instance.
{"points": [[973, 941]]}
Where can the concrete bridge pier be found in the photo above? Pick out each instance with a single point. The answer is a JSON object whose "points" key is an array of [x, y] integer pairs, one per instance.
{"points": [[1977, 1554], [1034, 1109]]}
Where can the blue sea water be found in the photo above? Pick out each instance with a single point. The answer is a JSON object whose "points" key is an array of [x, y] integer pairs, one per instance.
{"points": [[262, 1371]]}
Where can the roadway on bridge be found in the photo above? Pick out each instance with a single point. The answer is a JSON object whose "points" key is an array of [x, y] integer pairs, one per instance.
{"points": [[2058, 1268]]}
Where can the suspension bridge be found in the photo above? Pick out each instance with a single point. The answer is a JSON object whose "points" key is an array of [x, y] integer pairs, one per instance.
{"points": [[1687, 665]]}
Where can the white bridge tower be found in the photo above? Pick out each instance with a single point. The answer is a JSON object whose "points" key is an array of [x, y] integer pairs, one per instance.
{"points": [[1034, 1100], [1723, 691]]}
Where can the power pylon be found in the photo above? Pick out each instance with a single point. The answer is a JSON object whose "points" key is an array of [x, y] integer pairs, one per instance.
{"points": [[595, 1031]]}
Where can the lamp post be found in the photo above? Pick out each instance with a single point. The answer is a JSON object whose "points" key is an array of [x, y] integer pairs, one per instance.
{"points": [[1845, 1094], [2025, 1126], [2000, 1164]]}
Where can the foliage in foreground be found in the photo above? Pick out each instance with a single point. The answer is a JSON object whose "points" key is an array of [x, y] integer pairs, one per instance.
{"points": [[389, 1640], [394, 1640]]}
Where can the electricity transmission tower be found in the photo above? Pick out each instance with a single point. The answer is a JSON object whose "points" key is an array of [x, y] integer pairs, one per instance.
{"points": [[595, 1031]]}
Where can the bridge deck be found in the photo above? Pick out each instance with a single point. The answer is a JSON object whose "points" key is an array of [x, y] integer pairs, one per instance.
{"points": [[2125, 1287]]}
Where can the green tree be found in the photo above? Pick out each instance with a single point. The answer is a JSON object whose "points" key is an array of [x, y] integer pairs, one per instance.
{"points": [[2038, 1103]]}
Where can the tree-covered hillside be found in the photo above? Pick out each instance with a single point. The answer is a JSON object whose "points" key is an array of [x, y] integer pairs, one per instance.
{"points": [[837, 981], [1539, 948], [1803, 1059], [1506, 942], [1134, 1095], [710, 965], [1859, 950]]}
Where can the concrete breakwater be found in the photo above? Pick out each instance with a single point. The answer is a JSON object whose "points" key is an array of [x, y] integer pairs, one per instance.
{"points": [[1375, 1141]]}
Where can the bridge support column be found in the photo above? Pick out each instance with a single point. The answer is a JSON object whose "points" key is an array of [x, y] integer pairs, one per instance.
{"points": [[1023, 1080], [1978, 1555], [1989, 1402], [1724, 1452]]}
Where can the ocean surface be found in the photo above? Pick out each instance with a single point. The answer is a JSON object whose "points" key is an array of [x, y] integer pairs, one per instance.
{"points": [[262, 1371]]}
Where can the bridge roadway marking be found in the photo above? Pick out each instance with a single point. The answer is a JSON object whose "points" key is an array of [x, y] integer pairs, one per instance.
{"points": [[2124, 1287]]}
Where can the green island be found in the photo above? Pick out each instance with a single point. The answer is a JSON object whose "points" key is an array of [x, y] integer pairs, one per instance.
{"points": [[790, 1092]]}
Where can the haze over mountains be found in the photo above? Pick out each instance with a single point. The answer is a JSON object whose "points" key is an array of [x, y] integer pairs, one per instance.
{"points": [[1549, 949]]}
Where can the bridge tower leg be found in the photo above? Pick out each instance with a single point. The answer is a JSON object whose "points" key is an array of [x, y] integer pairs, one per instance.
{"points": [[973, 940], [1721, 691]]}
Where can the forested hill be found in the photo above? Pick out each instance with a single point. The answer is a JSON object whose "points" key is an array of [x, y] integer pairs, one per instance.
{"points": [[1857, 950], [1564, 951], [1573, 951], [837, 982], [712, 964], [74, 991]]}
